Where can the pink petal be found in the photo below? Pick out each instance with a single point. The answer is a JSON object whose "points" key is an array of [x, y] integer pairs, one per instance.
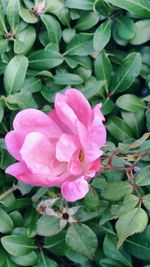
{"points": [[64, 112], [37, 152], [14, 141], [33, 120], [97, 114], [53, 116], [66, 146], [74, 190], [23, 174], [93, 169], [79, 104], [75, 166], [40, 7]]}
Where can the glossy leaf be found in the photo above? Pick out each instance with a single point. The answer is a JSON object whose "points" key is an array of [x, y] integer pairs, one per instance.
{"points": [[15, 73], [102, 36]]}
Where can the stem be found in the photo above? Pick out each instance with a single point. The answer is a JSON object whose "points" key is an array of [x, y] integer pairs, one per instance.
{"points": [[9, 191], [130, 176]]}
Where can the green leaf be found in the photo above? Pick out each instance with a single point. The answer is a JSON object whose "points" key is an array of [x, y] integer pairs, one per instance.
{"points": [[92, 88], [115, 191], [148, 120], [134, 221], [48, 226], [25, 260], [107, 105], [87, 21], [53, 28], [68, 34], [17, 245], [45, 59], [126, 74], [80, 45], [78, 4], [6, 223], [112, 252], [143, 177], [82, 240], [139, 245], [103, 68], [140, 8], [134, 121], [56, 244], [124, 27], [24, 40], [130, 103], [68, 79], [20, 100], [146, 201], [44, 261], [91, 200], [129, 202], [110, 263], [28, 16], [142, 32], [12, 14], [119, 129], [102, 36], [15, 73]]}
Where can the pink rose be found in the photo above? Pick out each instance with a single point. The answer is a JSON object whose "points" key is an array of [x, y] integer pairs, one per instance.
{"points": [[61, 148]]}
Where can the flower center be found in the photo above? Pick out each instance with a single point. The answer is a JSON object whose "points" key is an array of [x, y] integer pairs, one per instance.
{"points": [[81, 155]]}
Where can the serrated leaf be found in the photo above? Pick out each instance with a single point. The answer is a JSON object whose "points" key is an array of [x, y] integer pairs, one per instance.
{"points": [[134, 221], [139, 245], [102, 36], [143, 177], [115, 191], [82, 239]]}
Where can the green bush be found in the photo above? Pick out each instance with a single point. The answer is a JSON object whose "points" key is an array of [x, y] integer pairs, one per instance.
{"points": [[101, 48]]}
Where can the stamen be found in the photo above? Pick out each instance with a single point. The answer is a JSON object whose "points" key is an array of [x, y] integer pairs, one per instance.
{"points": [[81, 155]]}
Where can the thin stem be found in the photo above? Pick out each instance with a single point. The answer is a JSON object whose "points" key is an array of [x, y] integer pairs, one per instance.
{"points": [[9, 191]]}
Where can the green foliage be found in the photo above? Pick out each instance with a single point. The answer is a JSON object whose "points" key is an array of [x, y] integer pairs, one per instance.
{"points": [[101, 47]]}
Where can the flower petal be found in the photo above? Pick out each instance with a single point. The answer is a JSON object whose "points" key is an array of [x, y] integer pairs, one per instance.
{"points": [[75, 190], [14, 140], [33, 120], [23, 174], [64, 112], [66, 146], [79, 104], [37, 152]]}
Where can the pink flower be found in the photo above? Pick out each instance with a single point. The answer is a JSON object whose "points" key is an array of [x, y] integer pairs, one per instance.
{"points": [[40, 7], [59, 149]]}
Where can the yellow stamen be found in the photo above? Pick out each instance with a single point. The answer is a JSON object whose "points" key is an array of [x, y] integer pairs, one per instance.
{"points": [[81, 155]]}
